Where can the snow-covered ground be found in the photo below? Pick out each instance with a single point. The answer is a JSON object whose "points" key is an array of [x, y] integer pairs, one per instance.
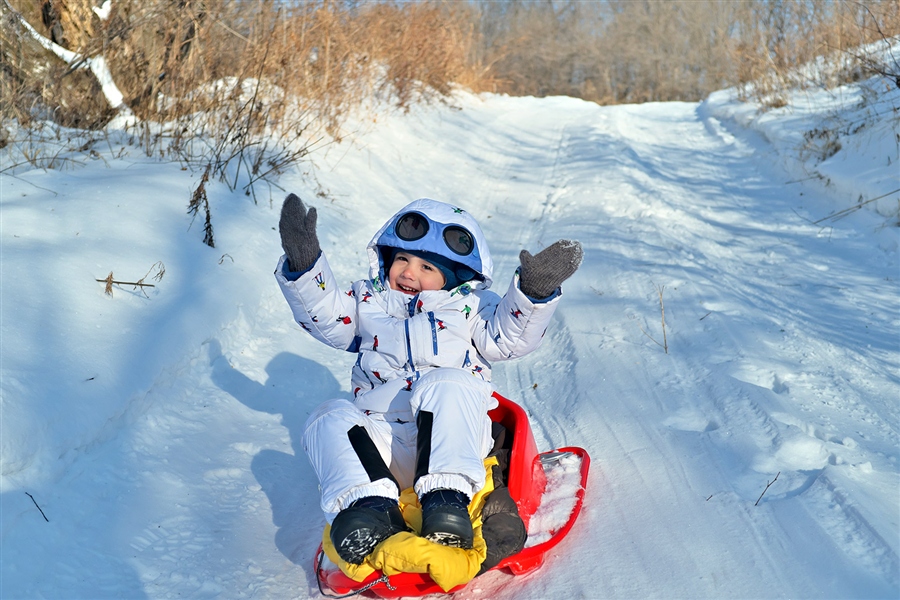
{"points": [[158, 430]]}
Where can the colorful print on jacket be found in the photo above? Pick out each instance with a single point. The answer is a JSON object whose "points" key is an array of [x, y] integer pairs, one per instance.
{"points": [[398, 337]]}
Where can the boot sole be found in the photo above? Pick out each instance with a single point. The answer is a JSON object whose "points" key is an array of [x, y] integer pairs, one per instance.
{"points": [[449, 529]]}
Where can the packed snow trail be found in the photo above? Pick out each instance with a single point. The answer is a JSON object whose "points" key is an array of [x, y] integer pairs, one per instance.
{"points": [[782, 360]]}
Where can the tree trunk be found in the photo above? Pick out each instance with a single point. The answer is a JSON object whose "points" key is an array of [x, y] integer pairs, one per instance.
{"points": [[70, 23], [36, 83]]}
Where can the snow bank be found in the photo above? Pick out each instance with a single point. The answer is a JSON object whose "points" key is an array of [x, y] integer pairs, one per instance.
{"points": [[846, 137]]}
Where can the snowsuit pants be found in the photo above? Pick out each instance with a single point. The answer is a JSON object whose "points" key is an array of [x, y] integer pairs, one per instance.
{"points": [[443, 444]]}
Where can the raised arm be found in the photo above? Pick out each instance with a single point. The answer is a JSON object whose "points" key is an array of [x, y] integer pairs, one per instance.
{"points": [[307, 282], [515, 326]]}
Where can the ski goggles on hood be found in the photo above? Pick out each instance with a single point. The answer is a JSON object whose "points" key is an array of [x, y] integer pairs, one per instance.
{"points": [[415, 231], [414, 226], [436, 228]]}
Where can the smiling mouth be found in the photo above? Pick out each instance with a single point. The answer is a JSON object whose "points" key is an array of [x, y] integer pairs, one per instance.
{"points": [[407, 290]]}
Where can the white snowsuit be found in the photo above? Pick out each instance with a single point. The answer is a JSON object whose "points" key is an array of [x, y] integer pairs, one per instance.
{"points": [[421, 381]]}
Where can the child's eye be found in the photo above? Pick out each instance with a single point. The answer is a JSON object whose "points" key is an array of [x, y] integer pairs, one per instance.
{"points": [[428, 267]]}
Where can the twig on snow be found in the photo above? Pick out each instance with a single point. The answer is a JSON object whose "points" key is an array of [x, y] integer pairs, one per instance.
{"points": [[38, 507], [110, 281], [200, 201], [768, 485], [857, 206]]}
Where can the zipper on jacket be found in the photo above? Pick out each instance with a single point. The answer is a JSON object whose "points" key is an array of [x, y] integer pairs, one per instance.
{"points": [[409, 356], [434, 343]]}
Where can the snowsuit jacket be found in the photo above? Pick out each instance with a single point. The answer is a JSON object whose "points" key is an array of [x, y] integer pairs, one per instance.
{"points": [[398, 337]]}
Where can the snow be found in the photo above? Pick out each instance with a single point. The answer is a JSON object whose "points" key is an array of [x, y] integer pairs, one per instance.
{"points": [[563, 474], [158, 429], [103, 11]]}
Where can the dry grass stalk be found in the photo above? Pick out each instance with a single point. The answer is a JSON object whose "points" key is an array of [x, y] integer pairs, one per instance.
{"points": [[662, 311]]}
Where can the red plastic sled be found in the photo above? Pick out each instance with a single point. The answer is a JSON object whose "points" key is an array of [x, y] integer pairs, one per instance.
{"points": [[526, 486]]}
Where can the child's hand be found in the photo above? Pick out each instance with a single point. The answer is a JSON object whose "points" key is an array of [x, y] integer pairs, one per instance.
{"points": [[298, 234], [540, 275]]}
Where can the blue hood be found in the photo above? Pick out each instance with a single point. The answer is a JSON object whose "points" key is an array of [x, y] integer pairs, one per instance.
{"points": [[440, 214]]}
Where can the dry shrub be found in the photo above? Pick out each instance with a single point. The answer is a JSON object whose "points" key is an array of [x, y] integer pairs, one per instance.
{"points": [[327, 56], [424, 48], [665, 51], [610, 52], [242, 86], [159, 51], [637, 51], [336, 56], [534, 49], [167, 56], [777, 38], [233, 70]]}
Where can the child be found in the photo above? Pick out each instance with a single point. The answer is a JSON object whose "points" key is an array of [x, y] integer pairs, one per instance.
{"points": [[425, 329]]}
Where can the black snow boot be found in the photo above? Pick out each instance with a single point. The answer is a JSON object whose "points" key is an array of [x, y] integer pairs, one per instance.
{"points": [[445, 518], [364, 524]]}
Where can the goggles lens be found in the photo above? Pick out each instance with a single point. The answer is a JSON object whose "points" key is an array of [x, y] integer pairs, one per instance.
{"points": [[459, 240], [411, 227], [414, 226]]}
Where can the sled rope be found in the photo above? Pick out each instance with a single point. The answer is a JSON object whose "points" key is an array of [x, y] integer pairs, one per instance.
{"points": [[383, 579]]}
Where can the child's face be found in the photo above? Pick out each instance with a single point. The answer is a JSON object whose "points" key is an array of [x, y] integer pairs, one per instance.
{"points": [[410, 274]]}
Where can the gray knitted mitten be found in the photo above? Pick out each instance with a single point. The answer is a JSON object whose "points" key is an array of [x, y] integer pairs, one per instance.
{"points": [[298, 234], [540, 275]]}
